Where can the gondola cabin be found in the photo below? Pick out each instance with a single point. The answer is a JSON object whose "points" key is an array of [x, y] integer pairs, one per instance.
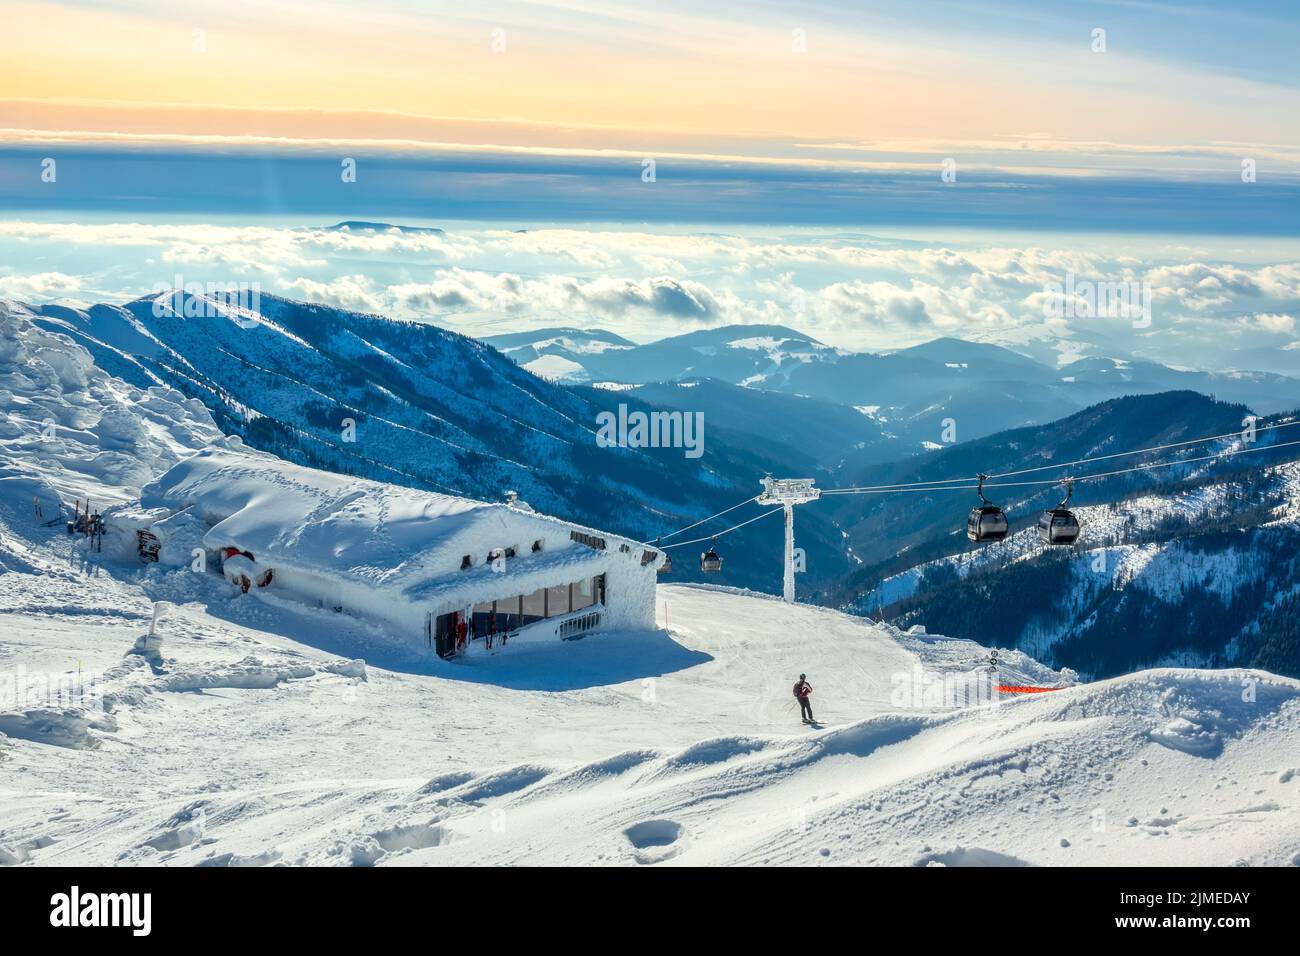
{"points": [[1058, 526], [710, 563], [986, 523]]}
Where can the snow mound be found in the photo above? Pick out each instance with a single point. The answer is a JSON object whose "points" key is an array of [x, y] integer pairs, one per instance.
{"points": [[1051, 779], [59, 728], [248, 674]]}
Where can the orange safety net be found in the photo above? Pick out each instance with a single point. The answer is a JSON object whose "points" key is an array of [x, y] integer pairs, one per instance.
{"points": [[1013, 689]]}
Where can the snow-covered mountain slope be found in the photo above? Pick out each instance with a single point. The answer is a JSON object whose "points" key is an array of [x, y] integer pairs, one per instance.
{"points": [[248, 734], [804, 435], [1195, 576], [557, 353], [253, 730], [69, 431], [407, 403]]}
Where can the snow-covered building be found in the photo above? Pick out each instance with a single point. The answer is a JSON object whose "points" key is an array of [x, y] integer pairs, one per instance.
{"points": [[450, 572]]}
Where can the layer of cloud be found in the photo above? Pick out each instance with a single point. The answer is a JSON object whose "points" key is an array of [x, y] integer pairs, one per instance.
{"points": [[854, 291]]}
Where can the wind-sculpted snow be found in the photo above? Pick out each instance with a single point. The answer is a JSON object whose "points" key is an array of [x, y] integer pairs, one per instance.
{"points": [[70, 431], [260, 749]]}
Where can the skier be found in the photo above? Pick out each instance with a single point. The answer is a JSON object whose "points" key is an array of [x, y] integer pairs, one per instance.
{"points": [[802, 690]]}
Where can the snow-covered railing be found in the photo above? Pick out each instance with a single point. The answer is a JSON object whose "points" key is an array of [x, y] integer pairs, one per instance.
{"points": [[574, 626]]}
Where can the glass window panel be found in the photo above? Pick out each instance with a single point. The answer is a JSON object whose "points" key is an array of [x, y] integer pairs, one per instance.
{"points": [[557, 600], [482, 619], [534, 606], [509, 616], [583, 594], [511, 621]]}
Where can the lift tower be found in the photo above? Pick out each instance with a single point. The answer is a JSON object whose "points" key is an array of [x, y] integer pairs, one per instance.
{"points": [[788, 492]]}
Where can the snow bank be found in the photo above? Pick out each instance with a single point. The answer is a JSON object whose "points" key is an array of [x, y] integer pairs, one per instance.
{"points": [[60, 728]]}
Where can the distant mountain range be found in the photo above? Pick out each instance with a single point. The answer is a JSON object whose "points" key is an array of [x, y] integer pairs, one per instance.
{"points": [[909, 393], [798, 433], [364, 225]]}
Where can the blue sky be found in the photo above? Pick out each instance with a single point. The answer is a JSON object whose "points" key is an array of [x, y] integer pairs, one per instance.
{"points": [[798, 151]]}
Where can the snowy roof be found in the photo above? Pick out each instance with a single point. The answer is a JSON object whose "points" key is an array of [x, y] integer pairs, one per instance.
{"points": [[388, 536]]}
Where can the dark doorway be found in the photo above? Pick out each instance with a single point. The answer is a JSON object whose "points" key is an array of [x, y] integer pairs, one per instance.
{"points": [[444, 634]]}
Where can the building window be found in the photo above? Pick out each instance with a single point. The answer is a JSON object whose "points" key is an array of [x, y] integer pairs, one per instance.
{"points": [[510, 616], [584, 594], [590, 540], [534, 606], [484, 620], [444, 634], [557, 600]]}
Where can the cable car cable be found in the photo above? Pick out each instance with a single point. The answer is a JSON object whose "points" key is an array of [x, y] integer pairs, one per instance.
{"points": [[1063, 464], [1140, 451], [682, 544], [949, 484], [703, 520], [1056, 481]]}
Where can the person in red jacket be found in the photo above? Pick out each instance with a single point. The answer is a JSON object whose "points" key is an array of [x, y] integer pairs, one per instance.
{"points": [[802, 691]]}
